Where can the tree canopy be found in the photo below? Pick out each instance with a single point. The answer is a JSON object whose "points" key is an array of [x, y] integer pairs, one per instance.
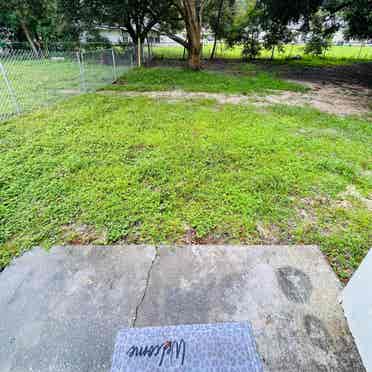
{"points": [[358, 17], [29, 20], [237, 21]]}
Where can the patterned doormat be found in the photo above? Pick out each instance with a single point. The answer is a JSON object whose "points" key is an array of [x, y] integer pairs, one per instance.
{"points": [[197, 347]]}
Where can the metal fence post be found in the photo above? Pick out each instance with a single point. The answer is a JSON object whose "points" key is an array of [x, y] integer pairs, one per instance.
{"points": [[133, 56], [114, 64], [10, 89], [139, 51], [79, 56]]}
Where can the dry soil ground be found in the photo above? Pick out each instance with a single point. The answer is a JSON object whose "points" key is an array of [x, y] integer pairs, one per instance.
{"points": [[342, 90]]}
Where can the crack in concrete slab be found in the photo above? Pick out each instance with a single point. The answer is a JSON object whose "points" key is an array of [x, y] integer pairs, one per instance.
{"points": [[148, 277]]}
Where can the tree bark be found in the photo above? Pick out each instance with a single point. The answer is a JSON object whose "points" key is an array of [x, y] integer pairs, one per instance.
{"points": [[211, 58], [216, 34], [192, 10], [148, 51], [29, 38], [194, 61], [195, 48]]}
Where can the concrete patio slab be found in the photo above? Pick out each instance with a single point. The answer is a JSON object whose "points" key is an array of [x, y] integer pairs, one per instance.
{"points": [[61, 310], [290, 294]]}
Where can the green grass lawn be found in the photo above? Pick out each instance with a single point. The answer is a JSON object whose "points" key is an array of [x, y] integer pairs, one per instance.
{"points": [[43, 81], [155, 79], [108, 169], [336, 55]]}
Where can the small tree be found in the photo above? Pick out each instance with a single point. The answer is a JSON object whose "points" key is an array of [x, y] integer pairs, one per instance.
{"points": [[320, 36], [277, 35], [215, 22], [219, 15], [246, 31], [251, 45], [317, 45]]}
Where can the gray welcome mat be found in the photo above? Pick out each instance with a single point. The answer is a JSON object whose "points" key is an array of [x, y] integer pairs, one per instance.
{"points": [[198, 347]]}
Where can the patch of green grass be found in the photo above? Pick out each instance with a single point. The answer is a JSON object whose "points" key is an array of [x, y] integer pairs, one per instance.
{"points": [[107, 169], [316, 61], [155, 79], [336, 55], [40, 82]]}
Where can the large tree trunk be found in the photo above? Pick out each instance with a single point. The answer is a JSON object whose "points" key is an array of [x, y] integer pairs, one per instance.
{"points": [[192, 10], [195, 50], [194, 61]]}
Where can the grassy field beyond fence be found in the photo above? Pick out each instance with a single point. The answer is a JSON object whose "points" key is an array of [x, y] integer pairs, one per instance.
{"points": [[335, 55], [27, 82]]}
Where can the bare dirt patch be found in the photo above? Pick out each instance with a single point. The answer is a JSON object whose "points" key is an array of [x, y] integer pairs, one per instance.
{"points": [[82, 234], [268, 233], [180, 95], [330, 99], [340, 90], [69, 91], [216, 238], [353, 192], [367, 173]]}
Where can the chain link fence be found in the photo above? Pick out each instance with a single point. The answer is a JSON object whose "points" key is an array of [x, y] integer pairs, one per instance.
{"points": [[28, 81]]}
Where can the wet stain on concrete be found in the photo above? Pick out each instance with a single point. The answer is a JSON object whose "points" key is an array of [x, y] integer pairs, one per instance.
{"points": [[318, 367], [317, 332], [348, 358], [197, 304], [295, 284]]}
